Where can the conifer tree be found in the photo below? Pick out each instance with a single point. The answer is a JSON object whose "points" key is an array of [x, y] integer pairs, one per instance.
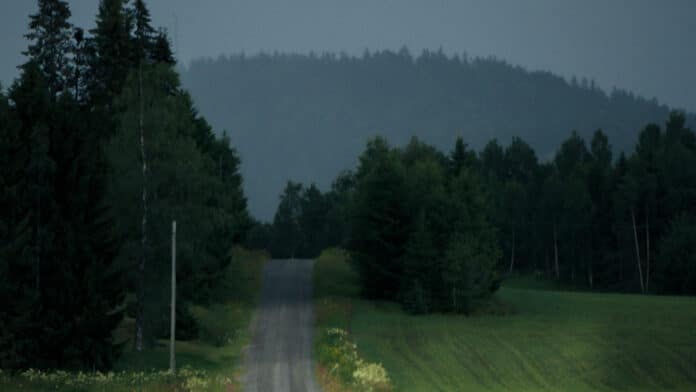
{"points": [[50, 36], [113, 51]]}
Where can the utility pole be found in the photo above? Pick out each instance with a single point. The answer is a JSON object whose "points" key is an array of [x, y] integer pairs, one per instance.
{"points": [[172, 330]]}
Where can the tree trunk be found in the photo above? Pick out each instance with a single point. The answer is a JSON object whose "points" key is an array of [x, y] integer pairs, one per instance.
{"points": [[38, 242], [555, 252], [512, 253], [635, 237], [647, 250], [140, 294]]}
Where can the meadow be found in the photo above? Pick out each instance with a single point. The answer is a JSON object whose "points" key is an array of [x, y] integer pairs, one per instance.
{"points": [[212, 362], [531, 338]]}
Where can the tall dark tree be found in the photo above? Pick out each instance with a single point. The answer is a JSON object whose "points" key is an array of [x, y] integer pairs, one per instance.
{"points": [[461, 156], [380, 221], [50, 37], [162, 49], [143, 33], [288, 238], [61, 252], [113, 50]]}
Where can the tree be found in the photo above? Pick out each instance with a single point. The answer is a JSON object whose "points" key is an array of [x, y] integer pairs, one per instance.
{"points": [[493, 161], [420, 265], [61, 251], [113, 51], [461, 157], [50, 36], [469, 271], [380, 221], [676, 258], [161, 51], [472, 252], [600, 190], [288, 236], [187, 183], [144, 34], [314, 209]]}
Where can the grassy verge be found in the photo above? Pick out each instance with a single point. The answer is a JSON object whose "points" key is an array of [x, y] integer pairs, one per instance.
{"points": [[340, 367], [550, 340], [210, 363]]}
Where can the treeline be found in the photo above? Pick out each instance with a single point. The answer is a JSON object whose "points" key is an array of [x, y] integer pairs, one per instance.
{"points": [[100, 149], [307, 221], [339, 101], [438, 231]]}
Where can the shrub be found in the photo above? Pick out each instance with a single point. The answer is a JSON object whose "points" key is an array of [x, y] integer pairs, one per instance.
{"points": [[340, 356]]}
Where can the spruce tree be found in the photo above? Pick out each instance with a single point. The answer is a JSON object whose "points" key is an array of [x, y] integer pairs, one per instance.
{"points": [[143, 34], [162, 50], [59, 253], [50, 36], [113, 51]]}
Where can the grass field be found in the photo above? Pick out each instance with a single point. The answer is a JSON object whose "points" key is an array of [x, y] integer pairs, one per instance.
{"points": [[549, 340], [210, 363]]}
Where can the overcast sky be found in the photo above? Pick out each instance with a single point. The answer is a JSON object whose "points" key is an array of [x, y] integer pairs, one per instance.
{"points": [[647, 46]]}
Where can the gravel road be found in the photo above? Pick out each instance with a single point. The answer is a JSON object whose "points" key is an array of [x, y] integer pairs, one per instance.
{"points": [[280, 357]]}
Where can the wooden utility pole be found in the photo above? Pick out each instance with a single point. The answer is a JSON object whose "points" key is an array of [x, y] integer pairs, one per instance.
{"points": [[555, 252], [512, 252], [172, 329]]}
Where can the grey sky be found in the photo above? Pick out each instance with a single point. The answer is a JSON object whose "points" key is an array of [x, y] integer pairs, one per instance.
{"points": [[647, 46]]}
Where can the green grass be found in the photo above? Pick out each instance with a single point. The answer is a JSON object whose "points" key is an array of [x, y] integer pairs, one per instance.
{"points": [[213, 360], [551, 340]]}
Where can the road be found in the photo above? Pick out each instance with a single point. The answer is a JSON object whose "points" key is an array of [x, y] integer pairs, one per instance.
{"points": [[280, 356]]}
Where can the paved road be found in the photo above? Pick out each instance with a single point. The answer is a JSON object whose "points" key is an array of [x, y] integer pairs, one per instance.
{"points": [[280, 357]]}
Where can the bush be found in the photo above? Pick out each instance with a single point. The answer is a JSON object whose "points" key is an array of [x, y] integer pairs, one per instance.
{"points": [[340, 356], [215, 324], [676, 258]]}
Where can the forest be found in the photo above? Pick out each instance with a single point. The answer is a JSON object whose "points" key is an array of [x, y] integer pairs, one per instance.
{"points": [[439, 231], [100, 149], [273, 103]]}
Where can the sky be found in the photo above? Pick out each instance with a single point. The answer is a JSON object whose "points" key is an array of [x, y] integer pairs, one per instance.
{"points": [[646, 46]]}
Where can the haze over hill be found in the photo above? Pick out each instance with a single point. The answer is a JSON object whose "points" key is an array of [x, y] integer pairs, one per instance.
{"points": [[311, 114]]}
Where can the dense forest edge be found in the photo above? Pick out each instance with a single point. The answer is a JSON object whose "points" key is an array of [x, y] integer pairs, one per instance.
{"points": [[100, 150], [312, 113], [438, 232]]}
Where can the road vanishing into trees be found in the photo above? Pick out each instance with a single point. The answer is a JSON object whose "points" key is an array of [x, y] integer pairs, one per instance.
{"points": [[280, 357]]}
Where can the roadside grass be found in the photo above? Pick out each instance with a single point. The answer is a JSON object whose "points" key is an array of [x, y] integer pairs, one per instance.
{"points": [[548, 340], [210, 363]]}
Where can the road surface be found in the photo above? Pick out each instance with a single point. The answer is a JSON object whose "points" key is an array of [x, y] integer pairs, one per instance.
{"points": [[280, 356]]}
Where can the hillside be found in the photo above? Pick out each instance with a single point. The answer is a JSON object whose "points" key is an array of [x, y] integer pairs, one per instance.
{"points": [[306, 117]]}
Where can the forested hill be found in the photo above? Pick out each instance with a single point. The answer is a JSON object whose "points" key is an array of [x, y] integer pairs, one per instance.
{"points": [[306, 117]]}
